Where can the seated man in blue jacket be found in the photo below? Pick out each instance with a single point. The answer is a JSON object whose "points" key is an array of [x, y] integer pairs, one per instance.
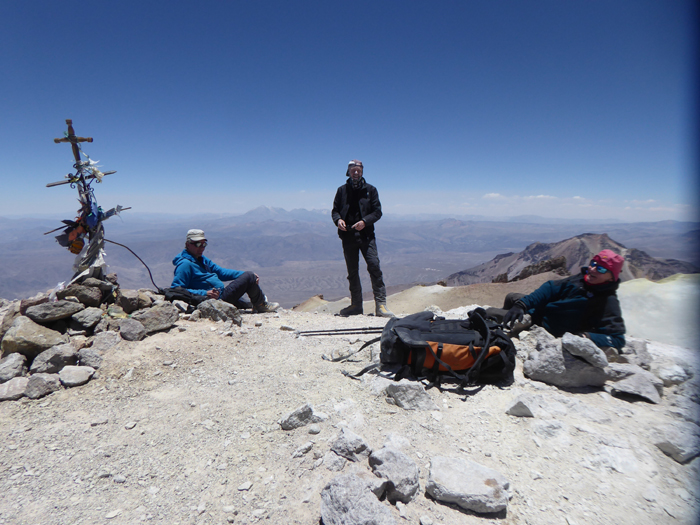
{"points": [[585, 305], [200, 276]]}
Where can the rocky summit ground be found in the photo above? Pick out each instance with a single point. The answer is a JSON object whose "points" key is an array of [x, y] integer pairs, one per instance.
{"points": [[182, 428]]}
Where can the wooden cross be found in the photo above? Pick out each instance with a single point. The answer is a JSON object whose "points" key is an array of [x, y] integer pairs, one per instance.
{"points": [[73, 140]]}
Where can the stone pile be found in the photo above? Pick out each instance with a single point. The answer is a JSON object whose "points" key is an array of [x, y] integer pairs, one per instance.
{"points": [[56, 340]]}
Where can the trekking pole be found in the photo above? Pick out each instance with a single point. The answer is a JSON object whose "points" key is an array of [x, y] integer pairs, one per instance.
{"points": [[344, 331]]}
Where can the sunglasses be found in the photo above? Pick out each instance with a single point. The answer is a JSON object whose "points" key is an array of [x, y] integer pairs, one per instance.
{"points": [[199, 244], [600, 269]]}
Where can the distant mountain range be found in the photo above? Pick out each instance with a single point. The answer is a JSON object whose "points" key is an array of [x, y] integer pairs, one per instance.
{"points": [[577, 251], [298, 254]]}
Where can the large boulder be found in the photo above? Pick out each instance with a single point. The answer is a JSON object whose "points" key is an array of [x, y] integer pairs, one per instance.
{"points": [[29, 338], [549, 363], [157, 318], [49, 312]]}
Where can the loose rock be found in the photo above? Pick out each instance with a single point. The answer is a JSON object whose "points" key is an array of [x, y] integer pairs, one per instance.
{"points": [[468, 484], [71, 376], [51, 361], [410, 395], [218, 310], [13, 389], [584, 348], [29, 338], [399, 470], [48, 312], [131, 330], [13, 365], [346, 500], [40, 385], [351, 446]]}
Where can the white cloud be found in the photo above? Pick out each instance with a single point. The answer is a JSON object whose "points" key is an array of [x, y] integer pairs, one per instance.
{"points": [[540, 197], [493, 196]]}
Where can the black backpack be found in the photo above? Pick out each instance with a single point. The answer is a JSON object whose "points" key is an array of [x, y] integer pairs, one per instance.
{"points": [[182, 294], [474, 350]]}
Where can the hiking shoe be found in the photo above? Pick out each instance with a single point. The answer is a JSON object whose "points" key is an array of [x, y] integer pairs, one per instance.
{"points": [[383, 311], [266, 307], [353, 309]]}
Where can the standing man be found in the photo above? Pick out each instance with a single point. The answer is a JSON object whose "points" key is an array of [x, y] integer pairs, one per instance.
{"points": [[201, 276], [356, 208]]}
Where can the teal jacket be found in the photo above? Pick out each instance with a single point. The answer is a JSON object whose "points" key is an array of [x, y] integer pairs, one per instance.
{"points": [[199, 276], [571, 305]]}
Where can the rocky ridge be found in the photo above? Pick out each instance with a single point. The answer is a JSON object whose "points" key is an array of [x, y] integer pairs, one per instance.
{"points": [[577, 252]]}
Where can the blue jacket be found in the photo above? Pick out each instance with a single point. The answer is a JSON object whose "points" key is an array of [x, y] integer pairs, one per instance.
{"points": [[199, 276], [571, 305]]}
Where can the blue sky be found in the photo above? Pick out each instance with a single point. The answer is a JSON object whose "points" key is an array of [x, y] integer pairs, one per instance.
{"points": [[572, 109]]}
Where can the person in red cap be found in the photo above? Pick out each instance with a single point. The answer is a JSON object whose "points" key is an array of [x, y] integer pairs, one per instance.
{"points": [[584, 304], [356, 208]]}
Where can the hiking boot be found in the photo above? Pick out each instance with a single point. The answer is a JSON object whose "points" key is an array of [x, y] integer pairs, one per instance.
{"points": [[353, 309], [266, 307], [383, 311]]}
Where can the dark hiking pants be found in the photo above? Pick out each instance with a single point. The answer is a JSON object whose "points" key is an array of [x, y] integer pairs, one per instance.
{"points": [[245, 284], [351, 250]]}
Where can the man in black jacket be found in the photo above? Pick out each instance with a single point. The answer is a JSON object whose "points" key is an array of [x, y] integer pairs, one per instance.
{"points": [[356, 208]]}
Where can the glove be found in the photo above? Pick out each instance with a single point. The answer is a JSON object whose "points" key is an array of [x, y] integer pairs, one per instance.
{"points": [[514, 315]]}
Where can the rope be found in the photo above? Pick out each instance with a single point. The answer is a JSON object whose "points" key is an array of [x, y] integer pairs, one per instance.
{"points": [[139, 258]]}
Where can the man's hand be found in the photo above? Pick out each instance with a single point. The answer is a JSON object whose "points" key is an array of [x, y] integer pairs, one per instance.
{"points": [[359, 226], [213, 293], [341, 225], [514, 315], [257, 278]]}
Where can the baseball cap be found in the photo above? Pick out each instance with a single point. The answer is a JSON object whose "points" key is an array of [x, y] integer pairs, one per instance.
{"points": [[195, 235], [610, 260]]}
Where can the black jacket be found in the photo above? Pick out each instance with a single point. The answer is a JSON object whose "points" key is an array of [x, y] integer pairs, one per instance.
{"points": [[370, 208], [571, 305]]}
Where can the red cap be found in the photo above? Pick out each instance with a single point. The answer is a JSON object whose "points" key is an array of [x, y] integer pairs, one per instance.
{"points": [[610, 260]]}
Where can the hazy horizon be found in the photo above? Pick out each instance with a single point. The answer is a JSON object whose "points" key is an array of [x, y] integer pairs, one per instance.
{"points": [[535, 218]]}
